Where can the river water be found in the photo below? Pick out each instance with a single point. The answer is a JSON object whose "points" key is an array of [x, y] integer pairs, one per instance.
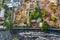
{"points": [[29, 35]]}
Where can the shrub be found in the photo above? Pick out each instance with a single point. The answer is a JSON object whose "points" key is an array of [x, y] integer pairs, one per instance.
{"points": [[53, 18], [30, 22], [31, 15], [44, 12], [25, 22], [36, 9], [36, 15], [9, 25], [45, 26]]}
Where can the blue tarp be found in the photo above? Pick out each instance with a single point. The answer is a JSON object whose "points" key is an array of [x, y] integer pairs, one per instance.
{"points": [[8, 2]]}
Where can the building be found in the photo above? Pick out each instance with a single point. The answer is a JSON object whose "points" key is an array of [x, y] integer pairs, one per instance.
{"points": [[12, 3]]}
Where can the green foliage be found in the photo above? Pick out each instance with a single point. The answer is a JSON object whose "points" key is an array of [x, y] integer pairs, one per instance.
{"points": [[30, 22], [0, 6], [44, 12], [9, 16], [25, 22], [45, 26], [36, 9], [31, 15], [4, 5], [1, 24], [35, 14], [3, 2], [53, 18], [15, 38], [9, 25], [39, 19]]}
